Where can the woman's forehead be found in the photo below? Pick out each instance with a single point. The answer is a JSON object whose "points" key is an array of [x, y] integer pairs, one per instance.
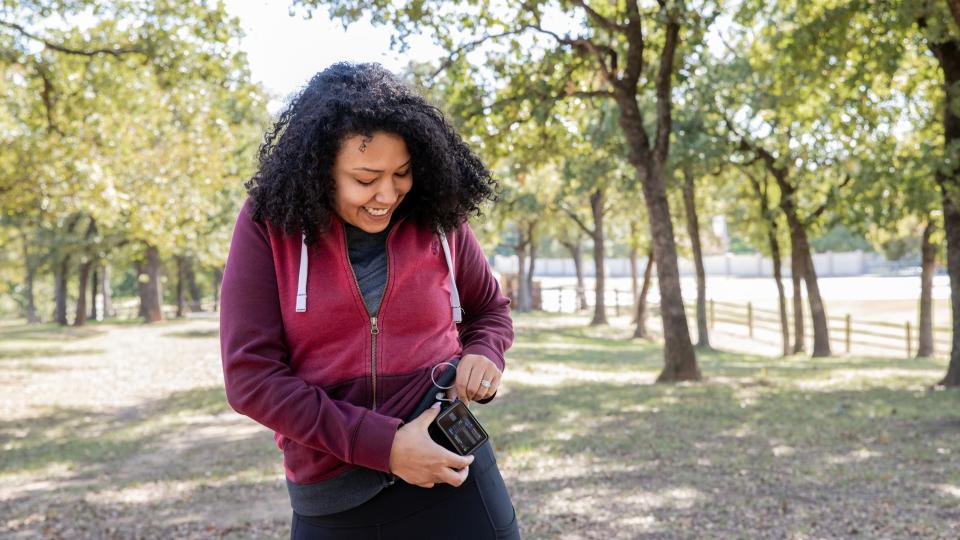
{"points": [[375, 152]]}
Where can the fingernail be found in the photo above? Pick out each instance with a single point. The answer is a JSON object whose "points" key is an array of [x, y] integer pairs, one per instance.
{"points": [[435, 405]]}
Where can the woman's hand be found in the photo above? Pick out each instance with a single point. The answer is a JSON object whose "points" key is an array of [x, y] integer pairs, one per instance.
{"points": [[416, 459], [477, 378]]}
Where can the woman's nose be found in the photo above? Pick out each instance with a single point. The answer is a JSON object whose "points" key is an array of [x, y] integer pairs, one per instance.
{"points": [[388, 194]]}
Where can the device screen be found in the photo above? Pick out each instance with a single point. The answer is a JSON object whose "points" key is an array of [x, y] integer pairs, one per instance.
{"points": [[461, 428]]}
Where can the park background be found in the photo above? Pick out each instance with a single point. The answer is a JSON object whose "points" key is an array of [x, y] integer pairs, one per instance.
{"points": [[673, 175]]}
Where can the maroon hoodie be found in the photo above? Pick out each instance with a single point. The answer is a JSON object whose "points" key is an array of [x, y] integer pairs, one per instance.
{"points": [[331, 381]]}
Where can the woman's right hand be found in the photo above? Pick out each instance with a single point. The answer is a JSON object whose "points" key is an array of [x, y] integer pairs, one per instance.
{"points": [[417, 460]]}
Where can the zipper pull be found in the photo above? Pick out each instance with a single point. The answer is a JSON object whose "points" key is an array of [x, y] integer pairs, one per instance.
{"points": [[373, 326]]}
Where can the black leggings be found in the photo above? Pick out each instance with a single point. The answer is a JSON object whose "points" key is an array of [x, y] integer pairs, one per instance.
{"points": [[480, 509]]}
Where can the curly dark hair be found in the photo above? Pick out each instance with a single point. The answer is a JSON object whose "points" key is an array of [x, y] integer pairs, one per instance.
{"points": [[293, 187]]}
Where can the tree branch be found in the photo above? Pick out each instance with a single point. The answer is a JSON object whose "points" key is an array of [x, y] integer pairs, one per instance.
{"points": [[584, 46], [577, 220], [954, 6], [664, 104], [467, 47], [635, 45], [600, 19], [830, 196], [114, 51]]}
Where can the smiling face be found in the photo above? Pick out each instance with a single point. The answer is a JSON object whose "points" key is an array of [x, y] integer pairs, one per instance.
{"points": [[372, 175]]}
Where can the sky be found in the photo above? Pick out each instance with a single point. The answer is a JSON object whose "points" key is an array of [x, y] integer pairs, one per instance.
{"points": [[285, 51]]}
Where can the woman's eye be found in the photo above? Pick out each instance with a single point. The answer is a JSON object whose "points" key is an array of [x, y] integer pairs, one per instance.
{"points": [[404, 173], [364, 182]]}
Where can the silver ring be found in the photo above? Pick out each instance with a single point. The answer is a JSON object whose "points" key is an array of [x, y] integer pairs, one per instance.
{"points": [[434, 378], [484, 383]]}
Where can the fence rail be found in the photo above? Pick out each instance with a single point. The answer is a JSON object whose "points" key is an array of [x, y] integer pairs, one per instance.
{"points": [[860, 332]]}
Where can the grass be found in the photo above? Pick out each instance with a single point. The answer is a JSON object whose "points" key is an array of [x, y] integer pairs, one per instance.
{"points": [[589, 446]]}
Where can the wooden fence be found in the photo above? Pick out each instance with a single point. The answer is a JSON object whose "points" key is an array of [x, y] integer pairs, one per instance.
{"points": [[862, 332]]}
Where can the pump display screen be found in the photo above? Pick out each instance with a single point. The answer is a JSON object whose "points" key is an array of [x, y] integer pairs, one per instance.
{"points": [[460, 429]]}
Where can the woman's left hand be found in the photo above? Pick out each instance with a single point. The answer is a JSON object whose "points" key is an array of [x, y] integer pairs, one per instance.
{"points": [[477, 378]]}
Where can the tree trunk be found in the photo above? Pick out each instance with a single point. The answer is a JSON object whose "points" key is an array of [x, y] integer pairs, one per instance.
{"points": [[524, 299], [634, 263], [217, 279], [928, 265], [196, 296], [599, 306], [181, 300], [80, 318], [818, 315], [772, 231], [94, 283], [150, 295], [948, 55], [800, 249], [531, 238], [60, 290], [796, 270], [576, 253], [107, 293], [781, 294], [679, 360], [641, 329], [693, 230], [30, 272]]}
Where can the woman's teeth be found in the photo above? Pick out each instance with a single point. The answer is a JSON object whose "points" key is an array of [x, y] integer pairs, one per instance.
{"points": [[377, 211]]}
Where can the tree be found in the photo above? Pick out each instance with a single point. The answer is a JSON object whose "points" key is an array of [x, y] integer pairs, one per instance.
{"points": [[581, 64]]}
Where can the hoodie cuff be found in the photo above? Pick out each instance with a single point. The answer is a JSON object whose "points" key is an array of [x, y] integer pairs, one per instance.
{"points": [[481, 349], [374, 440]]}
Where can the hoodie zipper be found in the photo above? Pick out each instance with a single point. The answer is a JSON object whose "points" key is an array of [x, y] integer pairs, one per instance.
{"points": [[374, 328]]}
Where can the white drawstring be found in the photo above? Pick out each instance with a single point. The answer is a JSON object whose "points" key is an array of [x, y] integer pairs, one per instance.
{"points": [[302, 280], [454, 294], [455, 308]]}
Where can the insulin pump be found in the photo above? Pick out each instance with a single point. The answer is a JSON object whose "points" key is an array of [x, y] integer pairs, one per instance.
{"points": [[455, 428]]}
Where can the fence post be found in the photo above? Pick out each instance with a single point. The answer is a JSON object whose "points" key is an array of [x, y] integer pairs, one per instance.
{"points": [[909, 351], [846, 331], [750, 318], [712, 315]]}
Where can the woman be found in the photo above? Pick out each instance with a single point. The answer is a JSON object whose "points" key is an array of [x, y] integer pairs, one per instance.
{"points": [[341, 301]]}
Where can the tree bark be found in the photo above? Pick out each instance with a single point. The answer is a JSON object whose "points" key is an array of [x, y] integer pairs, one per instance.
{"points": [[107, 292], [217, 279], [196, 296], [800, 249], [524, 298], [80, 317], [181, 277], [599, 306], [94, 283], [641, 330], [772, 231], [948, 56], [796, 277], [30, 310], [575, 248], [60, 290], [693, 230], [150, 294], [928, 265], [531, 239]]}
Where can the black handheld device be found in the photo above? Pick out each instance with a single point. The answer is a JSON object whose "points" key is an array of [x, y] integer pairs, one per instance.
{"points": [[457, 430]]}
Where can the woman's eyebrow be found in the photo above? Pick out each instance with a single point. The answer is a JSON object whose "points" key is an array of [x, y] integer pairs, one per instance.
{"points": [[380, 170]]}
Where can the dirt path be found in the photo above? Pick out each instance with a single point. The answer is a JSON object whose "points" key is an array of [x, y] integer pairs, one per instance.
{"points": [[124, 432]]}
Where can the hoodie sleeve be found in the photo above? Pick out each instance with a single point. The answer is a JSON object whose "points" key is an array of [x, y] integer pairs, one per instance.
{"points": [[256, 371], [486, 328]]}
